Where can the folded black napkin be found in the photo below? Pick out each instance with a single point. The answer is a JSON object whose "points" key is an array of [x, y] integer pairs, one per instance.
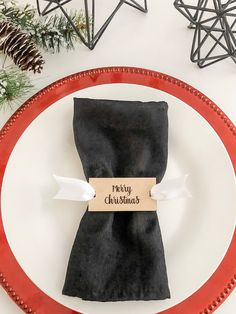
{"points": [[119, 256]]}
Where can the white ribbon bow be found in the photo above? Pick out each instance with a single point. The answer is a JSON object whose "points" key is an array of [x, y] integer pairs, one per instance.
{"points": [[79, 190]]}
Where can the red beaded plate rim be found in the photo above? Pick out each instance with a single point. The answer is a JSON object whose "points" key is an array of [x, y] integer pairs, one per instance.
{"points": [[12, 277]]}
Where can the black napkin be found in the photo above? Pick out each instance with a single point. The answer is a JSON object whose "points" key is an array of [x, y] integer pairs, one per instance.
{"points": [[119, 256]]}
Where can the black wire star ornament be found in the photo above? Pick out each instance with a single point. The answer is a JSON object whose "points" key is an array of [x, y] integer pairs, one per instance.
{"points": [[89, 37], [214, 24]]}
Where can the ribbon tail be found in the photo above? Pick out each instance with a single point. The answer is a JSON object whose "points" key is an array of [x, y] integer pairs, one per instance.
{"points": [[73, 189], [171, 189]]}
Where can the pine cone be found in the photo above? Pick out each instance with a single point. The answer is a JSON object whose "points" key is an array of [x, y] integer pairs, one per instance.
{"points": [[20, 48]]}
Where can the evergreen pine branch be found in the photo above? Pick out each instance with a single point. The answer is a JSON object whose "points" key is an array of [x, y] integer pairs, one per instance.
{"points": [[14, 87], [50, 32]]}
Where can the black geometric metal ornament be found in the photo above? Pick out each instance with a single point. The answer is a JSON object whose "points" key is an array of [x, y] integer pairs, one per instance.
{"points": [[88, 37], [214, 24]]}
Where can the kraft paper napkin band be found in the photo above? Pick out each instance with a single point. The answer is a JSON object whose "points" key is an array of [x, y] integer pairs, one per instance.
{"points": [[118, 190], [122, 194]]}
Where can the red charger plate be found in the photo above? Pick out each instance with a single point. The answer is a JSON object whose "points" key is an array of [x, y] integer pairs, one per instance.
{"points": [[12, 277]]}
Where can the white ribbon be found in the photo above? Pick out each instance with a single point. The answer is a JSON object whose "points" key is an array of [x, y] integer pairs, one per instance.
{"points": [[74, 189], [79, 190], [170, 189]]}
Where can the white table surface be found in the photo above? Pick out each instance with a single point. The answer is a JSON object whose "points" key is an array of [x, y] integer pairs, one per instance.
{"points": [[159, 40]]}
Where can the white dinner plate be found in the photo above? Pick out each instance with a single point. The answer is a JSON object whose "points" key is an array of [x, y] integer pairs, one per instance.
{"points": [[196, 231]]}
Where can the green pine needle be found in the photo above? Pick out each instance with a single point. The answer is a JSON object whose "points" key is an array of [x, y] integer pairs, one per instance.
{"points": [[50, 32], [14, 87]]}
